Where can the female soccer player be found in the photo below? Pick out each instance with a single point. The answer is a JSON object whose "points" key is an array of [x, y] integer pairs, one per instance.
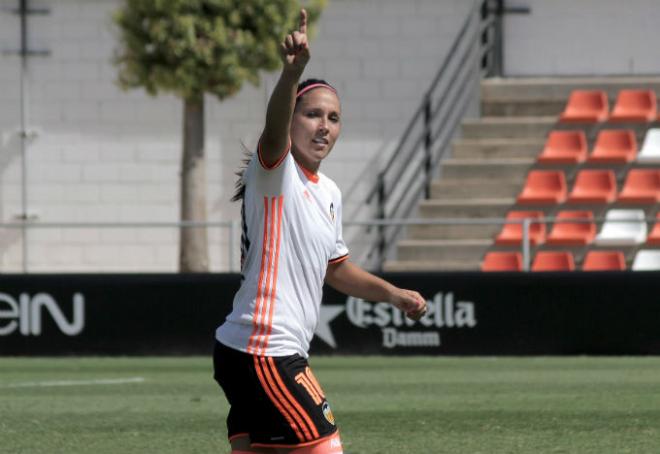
{"points": [[292, 243]]}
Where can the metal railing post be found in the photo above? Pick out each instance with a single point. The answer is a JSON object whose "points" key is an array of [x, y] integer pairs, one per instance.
{"points": [[525, 243], [428, 143], [381, 215], [498, 40], [483, 40], [23, 11]]}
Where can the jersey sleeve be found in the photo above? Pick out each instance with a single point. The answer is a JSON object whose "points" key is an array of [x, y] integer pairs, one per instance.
{"points": [[341, 250], [271, 180], [277, 163]]}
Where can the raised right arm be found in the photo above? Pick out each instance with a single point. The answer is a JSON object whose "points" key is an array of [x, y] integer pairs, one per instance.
{"points": [[294, 51]]}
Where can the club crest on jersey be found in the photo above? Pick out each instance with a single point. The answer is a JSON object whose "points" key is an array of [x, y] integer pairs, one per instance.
{"points": [[328, 413], [332, 211]]}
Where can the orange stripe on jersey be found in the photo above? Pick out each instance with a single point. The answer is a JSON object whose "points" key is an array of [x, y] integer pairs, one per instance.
{"points": [[291, 399], [267, 300], [258, 362], [302, 380], [314, 381], [280, 201], [338, 259], [255, 321]]}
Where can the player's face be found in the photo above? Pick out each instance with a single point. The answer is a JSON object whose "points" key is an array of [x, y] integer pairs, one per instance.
{"points": [[315, 126]]}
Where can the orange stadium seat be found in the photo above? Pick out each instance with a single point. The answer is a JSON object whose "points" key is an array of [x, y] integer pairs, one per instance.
{"points": [[512, 234], [641, 186], [604, 261], [574, 233], [635, 105], [564, 147], [585, 106], [553, 261], [654, 237], [593, 186], [543, 187], [502, 261], [614, 146]]}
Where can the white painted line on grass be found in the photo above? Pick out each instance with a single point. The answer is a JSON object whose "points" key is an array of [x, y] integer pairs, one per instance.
{"points": [[100, 381]]}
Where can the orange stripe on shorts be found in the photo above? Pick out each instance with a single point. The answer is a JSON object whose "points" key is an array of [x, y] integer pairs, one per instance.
{"points": [[302, 380], [291, 399], [258, 363]]}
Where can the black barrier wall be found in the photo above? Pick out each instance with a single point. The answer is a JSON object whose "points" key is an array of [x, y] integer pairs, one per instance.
{"points": [[469, 314]]}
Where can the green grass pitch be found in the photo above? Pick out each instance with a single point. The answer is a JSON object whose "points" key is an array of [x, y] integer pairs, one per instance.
{"points": [[382, 405]]}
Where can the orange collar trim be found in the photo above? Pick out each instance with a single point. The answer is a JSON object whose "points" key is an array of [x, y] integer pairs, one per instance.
{"points": [[311, 176]]}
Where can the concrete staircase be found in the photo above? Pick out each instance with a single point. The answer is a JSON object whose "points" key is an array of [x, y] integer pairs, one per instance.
{"points": [[488, 166]]}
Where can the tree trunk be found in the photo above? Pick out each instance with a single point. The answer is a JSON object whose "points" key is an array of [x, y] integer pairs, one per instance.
{"points": [[193, 247]]}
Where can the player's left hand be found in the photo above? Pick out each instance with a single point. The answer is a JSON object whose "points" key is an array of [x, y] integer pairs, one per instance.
{"points": [[410, 302], [294, 49]]}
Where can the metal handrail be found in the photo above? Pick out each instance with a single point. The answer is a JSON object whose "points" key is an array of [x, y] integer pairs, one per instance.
{"points": [[111, 225], [479, 40], [26, 224], [426, 101], [369, 222], [430, 118], [526, 224]]}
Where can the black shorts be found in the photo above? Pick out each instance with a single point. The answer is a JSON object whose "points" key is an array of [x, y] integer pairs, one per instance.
{"points": [[277, 401]]}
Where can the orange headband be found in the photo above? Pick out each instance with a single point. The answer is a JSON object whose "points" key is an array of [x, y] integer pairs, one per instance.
{"points": [[312, 86]]}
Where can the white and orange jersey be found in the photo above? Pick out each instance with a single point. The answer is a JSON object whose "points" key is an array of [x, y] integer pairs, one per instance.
{"points": [[291, 232]]}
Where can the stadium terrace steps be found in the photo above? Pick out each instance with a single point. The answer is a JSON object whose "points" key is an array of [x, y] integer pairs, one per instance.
{"points": [[496, 148], [559, 88], [452, 250], [502, 169], [452, 232], [426, 265], [470, 188], [521, 107], [533, 128], [488, 166], [465, 208], [547, 96], [508, 127]]}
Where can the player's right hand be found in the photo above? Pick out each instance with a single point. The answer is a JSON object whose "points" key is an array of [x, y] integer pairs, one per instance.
{"points": [[295, 49], [410, 302]]}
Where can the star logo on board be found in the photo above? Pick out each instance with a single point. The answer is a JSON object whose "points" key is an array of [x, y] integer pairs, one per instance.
{"points": [[328, 313]]}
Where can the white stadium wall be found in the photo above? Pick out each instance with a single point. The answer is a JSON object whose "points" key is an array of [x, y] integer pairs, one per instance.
{"points": [[583, 37], [103, 155]]}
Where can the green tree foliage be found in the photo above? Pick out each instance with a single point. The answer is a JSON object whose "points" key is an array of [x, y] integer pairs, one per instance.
{"points": [[191, 47]]}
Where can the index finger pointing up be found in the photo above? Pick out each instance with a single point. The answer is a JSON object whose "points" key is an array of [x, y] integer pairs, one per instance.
{"points": [[303, 22]]}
